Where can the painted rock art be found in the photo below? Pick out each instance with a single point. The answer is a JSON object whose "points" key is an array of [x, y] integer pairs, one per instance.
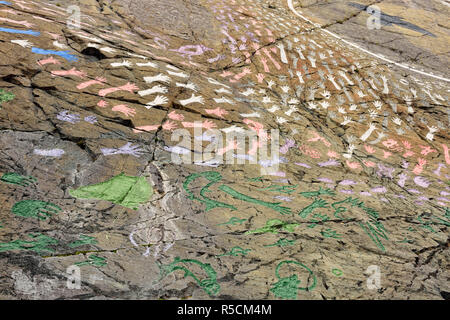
{"points": [[263, 142]]}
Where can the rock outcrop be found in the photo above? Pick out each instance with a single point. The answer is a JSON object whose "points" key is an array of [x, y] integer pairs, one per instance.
{"points": [[120, 177]]}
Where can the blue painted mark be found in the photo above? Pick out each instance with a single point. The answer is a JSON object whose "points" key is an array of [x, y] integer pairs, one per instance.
{"points": [[6, 2], [31, 32], [64, 54]]}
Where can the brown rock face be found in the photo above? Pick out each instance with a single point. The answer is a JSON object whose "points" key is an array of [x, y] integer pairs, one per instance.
{"points": [[216, 149]]}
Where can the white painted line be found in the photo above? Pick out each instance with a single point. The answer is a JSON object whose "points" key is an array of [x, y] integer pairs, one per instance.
{"points": [[291, 6]]}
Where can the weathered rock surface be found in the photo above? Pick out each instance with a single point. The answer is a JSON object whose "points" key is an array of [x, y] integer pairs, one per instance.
{"points": [[361, 182]]}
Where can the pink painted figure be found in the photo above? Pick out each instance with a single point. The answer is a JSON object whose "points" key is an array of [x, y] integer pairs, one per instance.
{"points": [[332, 154], [11, 11], [43, 19], [226, 74], [232, 145], [264, 63], [146, 128], [369, 149], [258, 128], [387, 154], [98, 80], [207, 124], [317, 137], [217, 111], [102, 104], [247, 56], [390, 144], [256, 46], [260, 77], [408, 152], [169, 125], [23, 23], [426, 150], [244, 72], [275, 63], [446, 153], [175, 116], [258, 143], [130, 87], [313, 153], [353, 165], [128, 112], [419, 166], [155, 56], [129, 41], [47, 61], [71, 72], [369, 164]]}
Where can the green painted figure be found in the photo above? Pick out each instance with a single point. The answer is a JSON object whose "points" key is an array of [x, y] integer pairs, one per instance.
{"points": [[35, 209], [313, 194], [329, 233], [281, 189], [94, 261], [274, 226], [17, 179], [235, 251], [6, 96], [318, 203], [127, 191], [318, 218], [39, 243], [287, 287], [281, 243], [233, 221], [83, 240], [209, 284]]}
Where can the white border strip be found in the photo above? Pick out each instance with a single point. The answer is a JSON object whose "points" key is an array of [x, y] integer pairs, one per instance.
{"points": [[291, 6]]}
